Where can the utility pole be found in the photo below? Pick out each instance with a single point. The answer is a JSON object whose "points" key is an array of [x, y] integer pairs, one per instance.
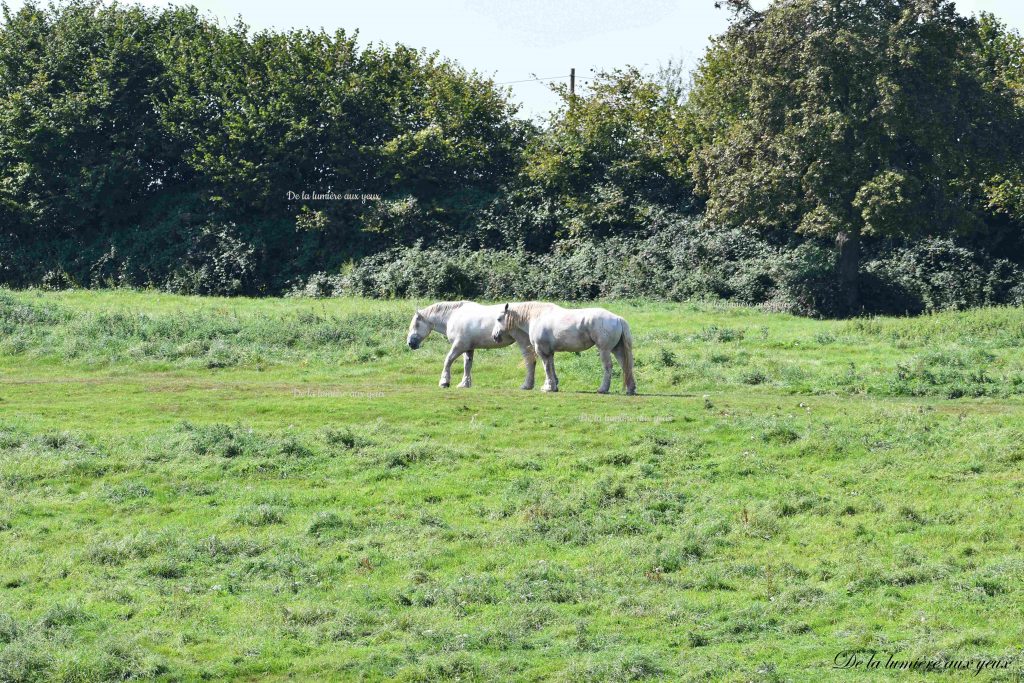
{"points": [[572, 81]]}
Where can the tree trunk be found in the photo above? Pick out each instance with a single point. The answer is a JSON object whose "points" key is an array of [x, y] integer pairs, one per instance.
{"points": [[849, 270]]}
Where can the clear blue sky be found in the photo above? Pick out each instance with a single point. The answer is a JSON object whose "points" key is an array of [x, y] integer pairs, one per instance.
{"points": [[516, 39]]}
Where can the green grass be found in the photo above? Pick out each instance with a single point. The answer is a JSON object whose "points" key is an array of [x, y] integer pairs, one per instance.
{"points": [[210, 489]]}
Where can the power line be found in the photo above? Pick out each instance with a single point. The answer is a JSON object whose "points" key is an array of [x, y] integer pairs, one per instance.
{"points": [[553, 78], [528, 80]]}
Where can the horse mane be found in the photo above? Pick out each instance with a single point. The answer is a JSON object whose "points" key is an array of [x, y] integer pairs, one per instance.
{"points": [[442, 309], [526, 311]]}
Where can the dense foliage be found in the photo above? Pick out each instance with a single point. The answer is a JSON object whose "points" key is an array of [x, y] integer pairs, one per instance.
{"points": [[842, 154], [156, 147], [856, 120], [682, 261]]}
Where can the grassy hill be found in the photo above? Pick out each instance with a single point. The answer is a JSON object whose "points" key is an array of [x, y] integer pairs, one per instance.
{"points": [[209, 489]]}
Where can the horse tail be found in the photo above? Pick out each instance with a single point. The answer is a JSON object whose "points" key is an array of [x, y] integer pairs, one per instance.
{"points": [[624, 350]]}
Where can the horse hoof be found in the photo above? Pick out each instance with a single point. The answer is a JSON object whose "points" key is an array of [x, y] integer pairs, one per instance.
{"points": [[602, 391], [526, 388], [630, 392], [444, 385], [463, 385]]}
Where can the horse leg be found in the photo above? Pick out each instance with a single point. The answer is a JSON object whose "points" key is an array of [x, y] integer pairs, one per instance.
{"points": [[606, 361], [530, 358], [550, 378], [625, 358], [467, 371], [446, 371]]}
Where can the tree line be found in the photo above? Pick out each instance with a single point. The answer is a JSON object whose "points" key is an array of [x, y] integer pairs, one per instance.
{"points": [[870, 142]]}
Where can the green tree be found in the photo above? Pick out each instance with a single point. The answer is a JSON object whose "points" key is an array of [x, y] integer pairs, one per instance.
{"points": [[127, 134], [270, 113], [448, 141], [1002, 53], [80, 145], [850, 119], [608, 156]]}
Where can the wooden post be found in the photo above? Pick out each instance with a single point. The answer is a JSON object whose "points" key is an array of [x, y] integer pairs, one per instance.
{"points": [[572, 81]]}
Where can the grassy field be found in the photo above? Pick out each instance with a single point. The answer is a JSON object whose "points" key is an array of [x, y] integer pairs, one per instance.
{"points": [[212, 489]]}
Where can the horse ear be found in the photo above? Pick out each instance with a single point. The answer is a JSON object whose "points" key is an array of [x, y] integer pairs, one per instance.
{"points": [[506, 308]]}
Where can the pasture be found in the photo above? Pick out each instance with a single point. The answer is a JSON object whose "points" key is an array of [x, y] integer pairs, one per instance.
{"points": [[277, 489]]}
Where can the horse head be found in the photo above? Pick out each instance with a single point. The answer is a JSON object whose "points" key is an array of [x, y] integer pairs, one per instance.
{"points": [[419, 328], [501, 324]]}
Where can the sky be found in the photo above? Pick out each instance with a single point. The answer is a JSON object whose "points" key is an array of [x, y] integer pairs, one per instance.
{"points": [[514, 40]]}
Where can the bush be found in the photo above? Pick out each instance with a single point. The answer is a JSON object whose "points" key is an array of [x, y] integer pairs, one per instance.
{"points": [[687, 259], [217, 262], [937, 274]]}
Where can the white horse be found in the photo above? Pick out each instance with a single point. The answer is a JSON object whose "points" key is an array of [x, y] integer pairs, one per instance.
{"points": [[468, 327], [551, 328]]}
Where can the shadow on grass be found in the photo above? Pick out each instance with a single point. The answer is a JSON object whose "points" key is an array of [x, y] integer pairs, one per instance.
{"points": [[637, 395]]}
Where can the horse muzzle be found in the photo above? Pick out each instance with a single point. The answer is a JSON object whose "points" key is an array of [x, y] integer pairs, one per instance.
{"points": [[414, 343], [497, 337]]}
